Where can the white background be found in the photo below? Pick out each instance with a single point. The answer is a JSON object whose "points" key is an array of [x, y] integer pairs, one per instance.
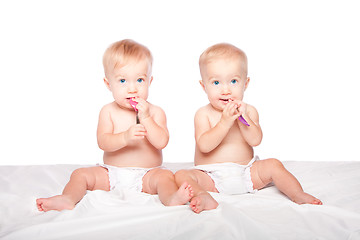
{"points": [[304, 61]]}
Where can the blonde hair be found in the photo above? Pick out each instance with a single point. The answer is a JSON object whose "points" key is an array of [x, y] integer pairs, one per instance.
{"points": [[224, 50], [119, 53]]}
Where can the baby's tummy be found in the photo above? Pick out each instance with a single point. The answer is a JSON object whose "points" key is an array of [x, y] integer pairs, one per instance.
{"points": [[229, 153], [134, 158]]}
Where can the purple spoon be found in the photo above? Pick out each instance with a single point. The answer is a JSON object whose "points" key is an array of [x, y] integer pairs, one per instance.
{"points": [[243, 121]]}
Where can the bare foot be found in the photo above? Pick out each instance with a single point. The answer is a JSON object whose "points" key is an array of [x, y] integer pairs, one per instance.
{"points": [[203, 201], [59, 202], [182, 195], [305, 198]]}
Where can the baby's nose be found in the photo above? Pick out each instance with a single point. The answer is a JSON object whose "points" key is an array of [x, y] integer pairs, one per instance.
{"points": [[132, 88], [225, 89]]}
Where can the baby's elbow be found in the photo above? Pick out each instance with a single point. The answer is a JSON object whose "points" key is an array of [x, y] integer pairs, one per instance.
{"points": [[255, 144], [103, 147], [162, 144], [255, 141], [203, 148], [100, 145]]}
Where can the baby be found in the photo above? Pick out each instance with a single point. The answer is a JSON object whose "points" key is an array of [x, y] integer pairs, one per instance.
{"points": [[132, 152], [224, 156]]}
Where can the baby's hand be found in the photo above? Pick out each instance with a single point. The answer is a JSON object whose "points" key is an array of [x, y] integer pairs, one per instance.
{"points": [[241, 107], [143, 108], [230, 113], [135, 133]]}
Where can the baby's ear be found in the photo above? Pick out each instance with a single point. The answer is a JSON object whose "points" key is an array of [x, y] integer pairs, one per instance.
{"points": [[151, 80], [202, 84], [247, 82], [107, 84]]}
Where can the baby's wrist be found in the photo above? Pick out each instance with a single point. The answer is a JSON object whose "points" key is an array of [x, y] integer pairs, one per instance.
{"points": [[125, 137], [144, 118], [225, 123]]}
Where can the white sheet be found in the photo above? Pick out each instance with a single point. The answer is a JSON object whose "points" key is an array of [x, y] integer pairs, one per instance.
{"points": [[266, 214]]}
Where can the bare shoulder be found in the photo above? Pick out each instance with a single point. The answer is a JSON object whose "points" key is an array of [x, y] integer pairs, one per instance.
{"points": [[108, 108], [202, 119], [203, 111], [251, 108], [252, 112], [156, 110], [158, 114], [105, 124]]}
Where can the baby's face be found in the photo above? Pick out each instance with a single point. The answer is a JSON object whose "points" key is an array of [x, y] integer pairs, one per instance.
{"points": [[224, 80], [130, 81]]}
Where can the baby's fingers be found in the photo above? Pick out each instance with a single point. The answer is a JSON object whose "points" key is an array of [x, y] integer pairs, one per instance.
{"points": [[140, 134], [139, 130], [229, 107], [233, 109], [136, 131]]}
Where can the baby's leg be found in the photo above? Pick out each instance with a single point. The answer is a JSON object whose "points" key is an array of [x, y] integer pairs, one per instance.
{"points": [[162, 182], [81, 180], [200, 183], [272, 170]]}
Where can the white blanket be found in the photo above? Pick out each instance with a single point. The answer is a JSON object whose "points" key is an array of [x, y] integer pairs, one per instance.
{"points": [[118, 214]]}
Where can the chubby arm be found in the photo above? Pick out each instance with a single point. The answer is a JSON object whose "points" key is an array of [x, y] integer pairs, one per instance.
{"points": [[153, 119], [110, 141], [253, 133], [208, 138]]}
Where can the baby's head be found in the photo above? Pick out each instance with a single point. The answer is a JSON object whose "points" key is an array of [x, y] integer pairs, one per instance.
{"points": [[223, 51], [127, 67], [223, 69]]}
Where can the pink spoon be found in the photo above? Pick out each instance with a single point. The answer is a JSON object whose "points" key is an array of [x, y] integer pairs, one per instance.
{"points": [[133, 104]]}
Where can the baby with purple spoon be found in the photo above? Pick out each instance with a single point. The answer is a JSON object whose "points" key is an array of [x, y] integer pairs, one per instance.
{"points": [[226, 130]]}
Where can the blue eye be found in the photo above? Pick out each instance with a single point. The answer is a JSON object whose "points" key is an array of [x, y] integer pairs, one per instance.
{"points": [[122, 80], [233, 81], [216, 82], [140, 80]]}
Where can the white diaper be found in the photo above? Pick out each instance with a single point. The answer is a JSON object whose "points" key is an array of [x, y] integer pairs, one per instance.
{"points": [[230, 178], [130, 178]]}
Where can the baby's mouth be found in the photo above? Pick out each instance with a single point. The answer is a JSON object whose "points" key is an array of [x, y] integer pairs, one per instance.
{"points": [[224, 100], [128, 98]]}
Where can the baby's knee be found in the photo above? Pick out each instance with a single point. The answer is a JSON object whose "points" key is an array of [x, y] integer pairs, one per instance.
{"points": [[79, 172], [166, 173], [275, 163], [180, 174], [83, 173], [184, 174]]}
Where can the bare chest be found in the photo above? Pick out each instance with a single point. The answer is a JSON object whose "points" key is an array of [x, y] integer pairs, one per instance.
{"points": [[122, 121]]}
